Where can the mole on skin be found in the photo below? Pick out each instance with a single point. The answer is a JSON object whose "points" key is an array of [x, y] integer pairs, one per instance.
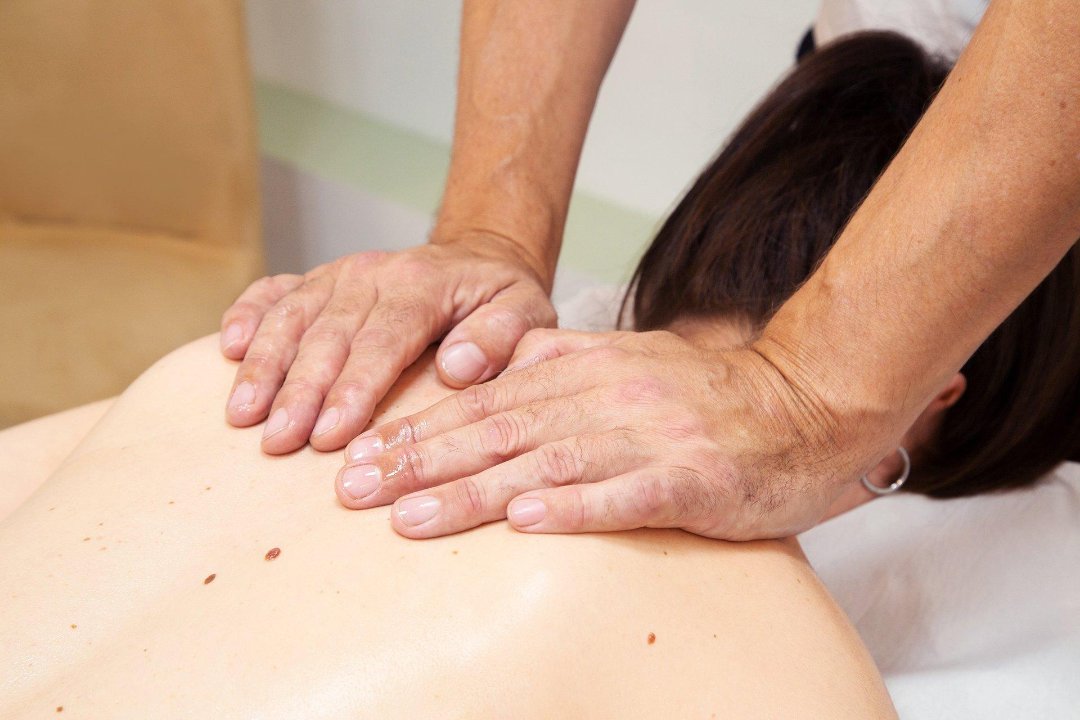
{"points": [[209, 578], [652, 638], [272, 553]]}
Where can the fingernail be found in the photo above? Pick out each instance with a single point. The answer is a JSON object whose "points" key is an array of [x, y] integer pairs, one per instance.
{"points": [[242, 396], [359, 482], [232, 335], [277, 422], [327, 421], [417, 510], [365, 448], [464, 362], [526, 512]]}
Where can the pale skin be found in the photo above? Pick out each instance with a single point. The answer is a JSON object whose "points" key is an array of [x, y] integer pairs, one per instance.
{"points": [[109, 607], [757, 441]]}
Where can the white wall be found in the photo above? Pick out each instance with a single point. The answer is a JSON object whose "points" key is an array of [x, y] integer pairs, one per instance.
{"points": [[686, 71]]}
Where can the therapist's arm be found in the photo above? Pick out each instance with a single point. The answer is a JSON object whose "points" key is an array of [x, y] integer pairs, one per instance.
{"points": [[529, 76], [319, 351], [978, 207]]}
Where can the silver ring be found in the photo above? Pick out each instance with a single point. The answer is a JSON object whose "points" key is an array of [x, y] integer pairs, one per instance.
{"points": [[897, 483]]}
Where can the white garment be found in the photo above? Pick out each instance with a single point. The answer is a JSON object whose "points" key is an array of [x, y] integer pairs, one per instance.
{"points": [[970, 607], [943, 27]]}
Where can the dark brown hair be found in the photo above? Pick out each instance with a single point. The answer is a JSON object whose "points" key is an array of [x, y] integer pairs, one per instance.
{"points": [[764, 213]]}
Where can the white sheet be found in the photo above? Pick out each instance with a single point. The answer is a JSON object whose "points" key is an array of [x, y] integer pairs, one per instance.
{"points": [[970, 607]]}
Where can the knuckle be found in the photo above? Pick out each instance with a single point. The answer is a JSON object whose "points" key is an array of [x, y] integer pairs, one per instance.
{"points": [[470, 496], [263, 284], [476, 402], [316, 273], [510, 321], [405, 430], [606, 354], [681, 426], [413, 269], [360, 262], [535, 341], [654, 497], [286, 308], [401, 432], [241, 308], [558, 464], [283, 282], [294, 386], [378, 338], [413, 467], [353, 392], [325, 333], [579, 514], [337, 314], [502, 436], [640, 390], [538, 335], [257, 363]]}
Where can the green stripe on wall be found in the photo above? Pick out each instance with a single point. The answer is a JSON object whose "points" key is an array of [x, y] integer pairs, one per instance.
{"points": [[602, 239]]}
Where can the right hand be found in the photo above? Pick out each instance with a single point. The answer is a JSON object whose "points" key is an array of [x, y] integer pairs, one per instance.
{"points": [[319, 351]]}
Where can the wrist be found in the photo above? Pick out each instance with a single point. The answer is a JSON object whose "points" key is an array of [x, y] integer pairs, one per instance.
{"points": [[496, 193], [489, 242], [820, 398]]}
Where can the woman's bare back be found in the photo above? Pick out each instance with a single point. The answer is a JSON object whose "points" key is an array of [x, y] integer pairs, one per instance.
{"points": [[168, 569]]}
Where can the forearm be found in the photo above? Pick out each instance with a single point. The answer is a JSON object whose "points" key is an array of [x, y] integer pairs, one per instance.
{"points": [[978, 207], [527, 84]]}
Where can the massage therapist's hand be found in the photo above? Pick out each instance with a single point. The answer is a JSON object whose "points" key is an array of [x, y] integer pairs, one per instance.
{"points": [[611, 431], [318, 351]]}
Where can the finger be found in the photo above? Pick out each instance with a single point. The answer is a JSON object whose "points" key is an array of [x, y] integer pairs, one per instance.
{"points": [[467, 450], [240, 321], [272, 351], [561, 377], [482, 498], [481, 344], [650, 497], [547, 344], [397, 331], [320, 358]]}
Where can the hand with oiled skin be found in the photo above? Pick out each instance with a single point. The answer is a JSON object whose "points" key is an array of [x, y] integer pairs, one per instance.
{"points": [[319, 351], [611, 431]]}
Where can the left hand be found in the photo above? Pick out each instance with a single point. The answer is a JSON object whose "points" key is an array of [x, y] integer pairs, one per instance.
{"points": [[590, 432]]}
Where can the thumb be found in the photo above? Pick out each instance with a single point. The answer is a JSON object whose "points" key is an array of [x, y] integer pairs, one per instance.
{"points": [[480, 345]]}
